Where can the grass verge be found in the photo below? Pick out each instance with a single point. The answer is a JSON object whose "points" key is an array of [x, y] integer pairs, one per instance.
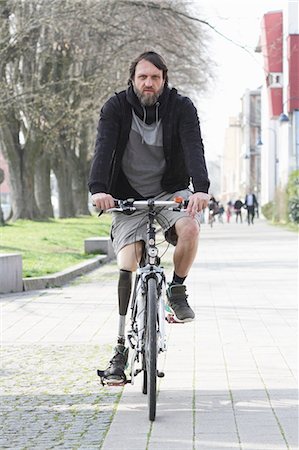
{"points": [[288, 226], [48, 247]]}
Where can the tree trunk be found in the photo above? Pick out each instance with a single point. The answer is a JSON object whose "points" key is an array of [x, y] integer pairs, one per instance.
{"points": [[63, 172], [42, 186], [1, 211], [80, 188], [1, 216], [21, 170], [23, 200], [80, 191]]}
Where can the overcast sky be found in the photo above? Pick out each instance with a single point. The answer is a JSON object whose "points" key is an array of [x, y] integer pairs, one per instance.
{"points": [[239, 20]]}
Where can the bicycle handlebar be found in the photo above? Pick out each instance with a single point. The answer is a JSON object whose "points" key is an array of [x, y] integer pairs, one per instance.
{"points": [[133, 205], [130, 205]]}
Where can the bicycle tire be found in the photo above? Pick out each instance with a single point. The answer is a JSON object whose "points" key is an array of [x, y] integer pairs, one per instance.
{"points": [[133, 319], [144, 378], [151, 347]]}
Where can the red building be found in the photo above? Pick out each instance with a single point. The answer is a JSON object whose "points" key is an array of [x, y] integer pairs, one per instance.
{"points": [[279, 45], [272, 48]]}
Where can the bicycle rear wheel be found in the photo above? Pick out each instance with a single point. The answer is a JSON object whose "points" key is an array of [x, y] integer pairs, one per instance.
{"points": [[151, 347]]}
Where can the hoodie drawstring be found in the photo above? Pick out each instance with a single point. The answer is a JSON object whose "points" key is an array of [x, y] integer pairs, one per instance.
{"points": [[144, 119], [157, 112]]}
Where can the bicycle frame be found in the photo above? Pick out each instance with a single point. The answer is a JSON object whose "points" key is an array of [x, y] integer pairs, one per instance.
{"points": [[147, 336], [151, 269]]}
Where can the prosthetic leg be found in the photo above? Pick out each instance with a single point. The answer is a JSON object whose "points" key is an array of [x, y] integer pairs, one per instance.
{"points": [[124, 294], [114, 375]]}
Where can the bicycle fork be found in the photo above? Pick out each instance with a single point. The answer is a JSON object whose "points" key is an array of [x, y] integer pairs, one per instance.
{"points": [[136, 335]]}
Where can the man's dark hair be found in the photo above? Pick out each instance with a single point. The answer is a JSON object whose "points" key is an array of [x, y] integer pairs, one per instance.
{"points": [[153, 58]]}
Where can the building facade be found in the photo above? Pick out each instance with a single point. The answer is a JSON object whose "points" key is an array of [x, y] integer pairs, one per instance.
{"points": [[279, 45], [261, 146], [241, 161]]}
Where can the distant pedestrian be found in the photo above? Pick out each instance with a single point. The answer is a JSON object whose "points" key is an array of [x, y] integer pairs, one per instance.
{"points": [[238, 205], [220, 212], [213, 210], [229, 210], [251, 204]]}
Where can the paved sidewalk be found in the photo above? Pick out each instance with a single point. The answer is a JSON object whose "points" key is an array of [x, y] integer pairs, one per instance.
{"points": [[231, 375]]}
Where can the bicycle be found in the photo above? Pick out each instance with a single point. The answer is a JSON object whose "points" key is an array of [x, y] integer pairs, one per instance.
{"points": [[147, 336]]}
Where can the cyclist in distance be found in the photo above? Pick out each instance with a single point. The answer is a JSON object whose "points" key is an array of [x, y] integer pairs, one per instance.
{"points": [[149, 145]]}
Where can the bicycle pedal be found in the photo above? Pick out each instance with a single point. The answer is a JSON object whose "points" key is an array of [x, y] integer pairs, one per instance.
{"points": [[108, 383], [113, 384], [171, 319]]}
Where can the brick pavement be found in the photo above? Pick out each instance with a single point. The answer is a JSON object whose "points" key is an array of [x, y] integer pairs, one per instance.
{"points": [[231, 376]]}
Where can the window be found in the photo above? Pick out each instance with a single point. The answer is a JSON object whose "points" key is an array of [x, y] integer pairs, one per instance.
{"points": [[274, 79]]}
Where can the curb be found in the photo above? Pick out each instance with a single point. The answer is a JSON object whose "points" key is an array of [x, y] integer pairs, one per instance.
{"points": [[60, 278]]}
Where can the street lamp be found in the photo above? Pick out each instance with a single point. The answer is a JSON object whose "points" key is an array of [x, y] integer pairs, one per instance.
{"points": [[259, 142], [258, 145], [284, 117], [294, 126]]}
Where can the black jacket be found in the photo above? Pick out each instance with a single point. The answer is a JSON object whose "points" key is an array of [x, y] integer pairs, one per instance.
{"points": [[182, 144]]}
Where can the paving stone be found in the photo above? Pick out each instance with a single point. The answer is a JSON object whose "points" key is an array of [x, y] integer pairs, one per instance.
{"points": [[230, 376]]}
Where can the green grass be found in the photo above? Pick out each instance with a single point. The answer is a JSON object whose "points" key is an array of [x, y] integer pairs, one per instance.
{"points": [[291, 226], [48, 247]]}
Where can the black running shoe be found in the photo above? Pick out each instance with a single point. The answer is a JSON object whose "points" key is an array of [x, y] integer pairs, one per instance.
{"points": [[177, 300], [115, 372]]}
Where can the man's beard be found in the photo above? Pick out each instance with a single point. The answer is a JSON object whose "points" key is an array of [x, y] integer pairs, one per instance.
{"points": [[145, 99]]}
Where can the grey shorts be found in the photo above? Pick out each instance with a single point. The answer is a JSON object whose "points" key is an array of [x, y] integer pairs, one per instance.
{"points": [[127, 230]]}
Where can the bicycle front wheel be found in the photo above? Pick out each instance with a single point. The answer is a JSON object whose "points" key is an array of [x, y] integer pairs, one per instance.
{"points": [[151, 347]]}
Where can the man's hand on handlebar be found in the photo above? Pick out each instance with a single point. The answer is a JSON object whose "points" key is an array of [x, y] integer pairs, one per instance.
{"points": [[197, 202], [102, 201]]}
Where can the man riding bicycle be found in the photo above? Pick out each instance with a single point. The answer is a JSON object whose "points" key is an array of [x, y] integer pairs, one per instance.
{"points": [[149, 145]]}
